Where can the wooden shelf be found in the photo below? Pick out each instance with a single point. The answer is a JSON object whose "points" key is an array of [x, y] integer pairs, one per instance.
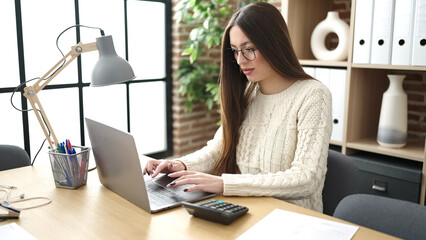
{"points": [[320, 63], [365, 85], [414, 150], [337, 143], [389, 67]]}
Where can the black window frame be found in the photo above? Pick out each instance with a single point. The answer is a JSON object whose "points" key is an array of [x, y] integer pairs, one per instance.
{"points": [[80, 85]]}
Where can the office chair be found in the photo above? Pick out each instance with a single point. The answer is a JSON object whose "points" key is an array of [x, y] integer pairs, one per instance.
{"points": [[340, 180], [13, 157], [395, 217]]}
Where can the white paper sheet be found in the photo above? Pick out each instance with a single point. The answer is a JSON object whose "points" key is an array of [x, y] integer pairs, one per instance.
{"points": [[281, 224], [14, 231]]}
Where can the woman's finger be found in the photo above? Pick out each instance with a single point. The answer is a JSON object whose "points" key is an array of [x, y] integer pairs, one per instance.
{"points": [[151, 165], [180, 173], [193, 188], [162, 166], [184, 181], [148, 167]]}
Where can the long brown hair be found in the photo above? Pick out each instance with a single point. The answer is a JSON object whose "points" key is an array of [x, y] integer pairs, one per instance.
{"points": [[264, 25]]}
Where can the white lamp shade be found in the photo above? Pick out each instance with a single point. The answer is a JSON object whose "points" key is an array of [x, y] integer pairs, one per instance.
{"points": [[110, 68]]}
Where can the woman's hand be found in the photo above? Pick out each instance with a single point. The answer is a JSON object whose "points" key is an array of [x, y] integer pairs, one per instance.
{"points": [[154, 167], [202, 181]]}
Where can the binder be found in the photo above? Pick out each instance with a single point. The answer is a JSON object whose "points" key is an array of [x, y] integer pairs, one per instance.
{"points": [[337, 85], [310, 71], [381, 44], [323, 75], [419, 35], [362, 31], [403, 27]]}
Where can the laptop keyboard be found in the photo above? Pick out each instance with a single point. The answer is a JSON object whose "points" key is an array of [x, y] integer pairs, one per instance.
{"points": [[160, 196]]}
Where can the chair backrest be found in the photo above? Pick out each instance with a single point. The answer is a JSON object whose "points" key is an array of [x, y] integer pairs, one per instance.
{"points": [[340, 180], [13, 157], [395, 217]]}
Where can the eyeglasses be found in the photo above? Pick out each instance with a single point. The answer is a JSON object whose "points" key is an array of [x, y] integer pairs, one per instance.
{"points": [[248, 53]]}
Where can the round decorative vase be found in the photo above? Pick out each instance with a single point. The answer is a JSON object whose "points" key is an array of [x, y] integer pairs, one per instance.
{"points": [[331, 24], [392, 130]]}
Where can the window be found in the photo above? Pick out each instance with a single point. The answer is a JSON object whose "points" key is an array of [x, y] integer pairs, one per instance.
{"points": [[141, 32]]}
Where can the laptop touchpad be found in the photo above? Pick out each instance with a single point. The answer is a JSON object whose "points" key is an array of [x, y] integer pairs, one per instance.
{"points": [[163, 180]]}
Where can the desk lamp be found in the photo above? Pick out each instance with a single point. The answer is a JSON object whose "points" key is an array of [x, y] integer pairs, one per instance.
{"points": [[109, 69]]}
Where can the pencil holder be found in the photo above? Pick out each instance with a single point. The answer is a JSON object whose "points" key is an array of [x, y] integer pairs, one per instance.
{"points": [[70, 170]]}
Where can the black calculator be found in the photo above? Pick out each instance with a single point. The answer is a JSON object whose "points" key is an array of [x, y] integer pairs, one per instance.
{"points": [[216, 211]]}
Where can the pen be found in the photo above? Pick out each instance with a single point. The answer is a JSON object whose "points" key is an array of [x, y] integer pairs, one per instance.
{"points": [[68, 165], [58, 147], [67, 177], [82, 164], [72, 162], [62, 148], [75, 163], [68, 146]]}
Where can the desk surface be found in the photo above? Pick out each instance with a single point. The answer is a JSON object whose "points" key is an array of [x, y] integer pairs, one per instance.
{"points": [[94, 212]]}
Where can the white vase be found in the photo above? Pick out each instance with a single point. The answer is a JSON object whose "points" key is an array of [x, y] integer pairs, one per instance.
{"points": [[331, 24], [392, 130]]}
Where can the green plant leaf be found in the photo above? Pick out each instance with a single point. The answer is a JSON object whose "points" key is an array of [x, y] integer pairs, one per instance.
{"points": [[194, 34], [193, 56], [187, 51], [209, 103], [206, 23], [192, 3]]}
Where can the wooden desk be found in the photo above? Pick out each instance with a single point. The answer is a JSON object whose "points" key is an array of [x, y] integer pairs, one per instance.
{"points": [[94, 212]]}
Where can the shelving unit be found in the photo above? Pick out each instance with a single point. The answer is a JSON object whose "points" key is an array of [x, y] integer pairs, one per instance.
{"points": [[365, 84]]}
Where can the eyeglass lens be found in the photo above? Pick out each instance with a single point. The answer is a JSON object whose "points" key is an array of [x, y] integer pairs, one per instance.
{"points": [[248, 54]]}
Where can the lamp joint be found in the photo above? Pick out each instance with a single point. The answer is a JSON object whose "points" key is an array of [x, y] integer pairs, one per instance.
{"points": [[30, 93]]}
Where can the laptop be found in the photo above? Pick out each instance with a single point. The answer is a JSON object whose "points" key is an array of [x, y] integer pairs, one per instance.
{"points": [[120, 170]]}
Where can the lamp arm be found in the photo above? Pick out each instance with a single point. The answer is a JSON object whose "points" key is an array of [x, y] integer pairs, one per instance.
{"points": [[30, 92]]}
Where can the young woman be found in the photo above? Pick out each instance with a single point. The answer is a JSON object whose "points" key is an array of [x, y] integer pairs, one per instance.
{"points": [[276, 119]]}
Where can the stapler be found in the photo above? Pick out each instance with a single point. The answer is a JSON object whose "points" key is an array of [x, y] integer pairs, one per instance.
{"points": [[11, 211]]}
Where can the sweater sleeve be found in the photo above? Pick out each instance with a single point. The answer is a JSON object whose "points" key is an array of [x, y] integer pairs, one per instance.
{"points": [[307, 171], [204, 159]]}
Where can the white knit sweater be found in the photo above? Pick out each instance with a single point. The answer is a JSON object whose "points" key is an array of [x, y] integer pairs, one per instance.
{"points": [[283, 146]]}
